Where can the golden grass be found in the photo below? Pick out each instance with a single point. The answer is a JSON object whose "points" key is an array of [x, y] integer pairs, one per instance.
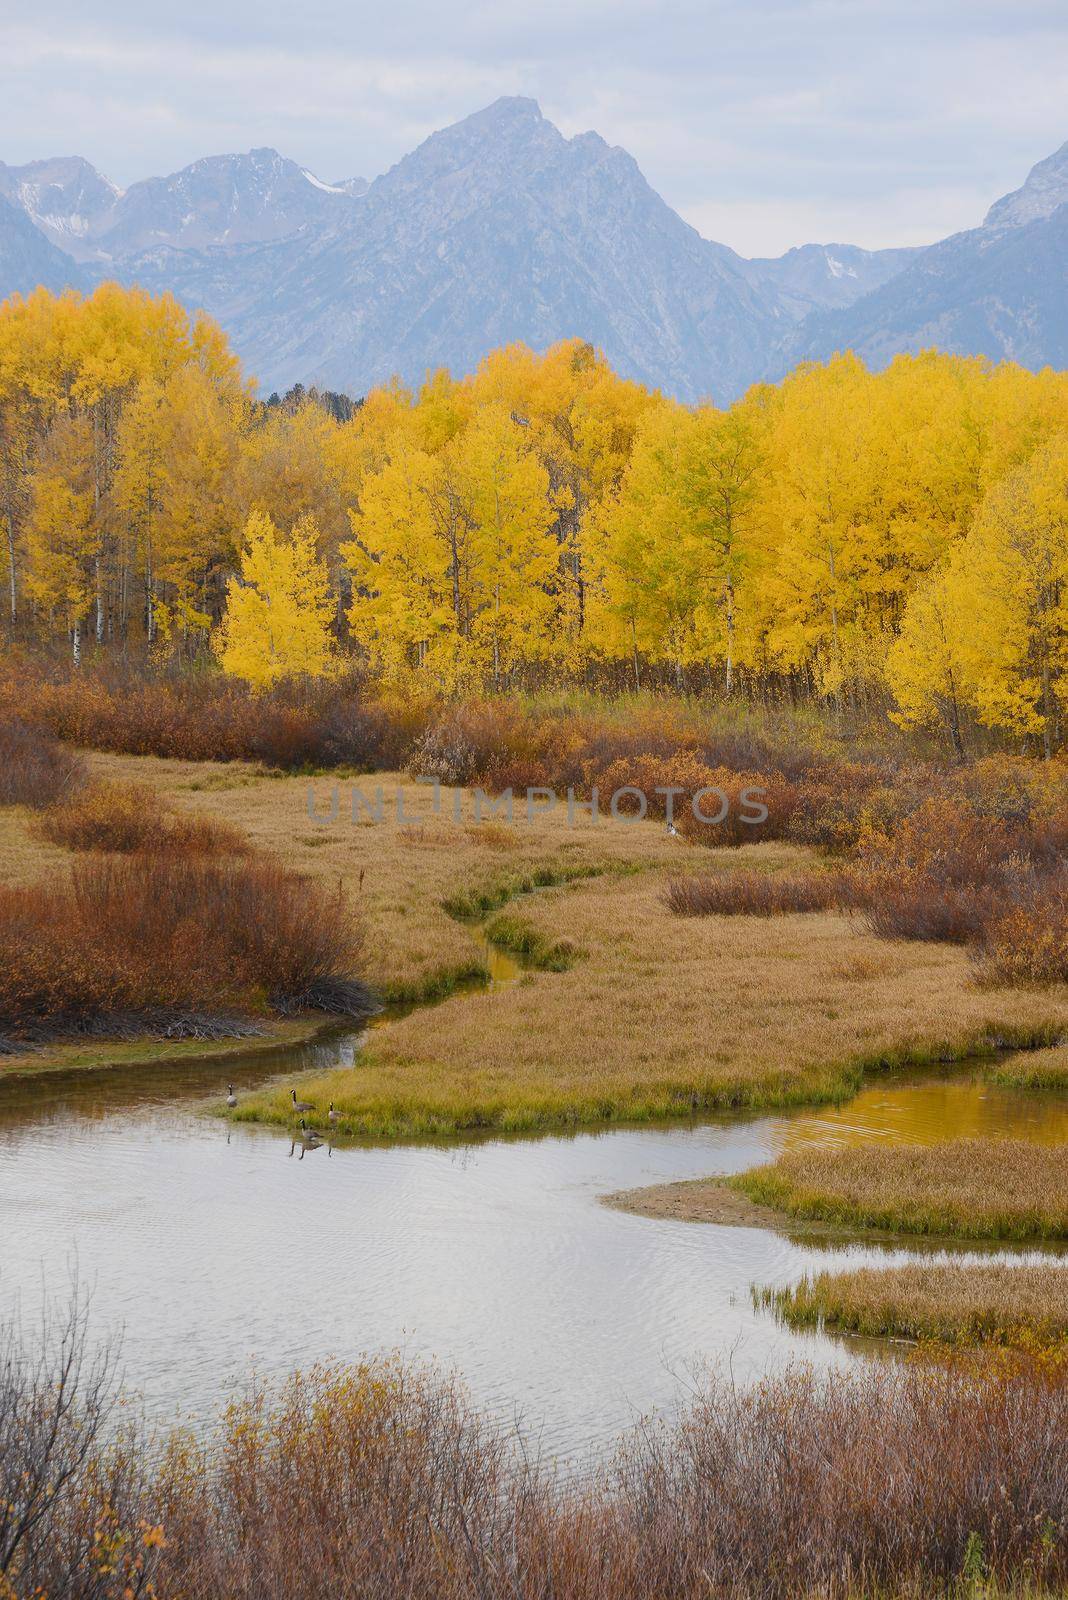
{"points": [[1039, 1069], [665, 1016], [956, 1303], [657, 1015], [968, 1188], [401, 875]]}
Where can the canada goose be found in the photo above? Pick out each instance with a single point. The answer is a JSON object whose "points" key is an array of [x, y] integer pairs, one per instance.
{"points": [[300, 1105], [672, 831], [310, 1135], [231, 1097], [335, 1116]]}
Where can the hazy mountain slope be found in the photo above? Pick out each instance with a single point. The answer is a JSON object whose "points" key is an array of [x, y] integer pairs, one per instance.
{"points": [[64, 196], [1002, 293], [998, 290], [234, 199], [823, 277], [28, 259], [1046, 188], [494, 230], [498, 229]]}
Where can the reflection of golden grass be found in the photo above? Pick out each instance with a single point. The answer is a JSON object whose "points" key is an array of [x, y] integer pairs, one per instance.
{"points": [[971, 1188], [666, 1015], [959, 1302]]}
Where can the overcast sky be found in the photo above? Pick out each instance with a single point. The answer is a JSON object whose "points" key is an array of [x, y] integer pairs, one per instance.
{"points": [[873, 122]]}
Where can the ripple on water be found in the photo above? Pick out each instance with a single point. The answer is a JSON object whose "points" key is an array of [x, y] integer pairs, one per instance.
{"points": [[214, 1248]]}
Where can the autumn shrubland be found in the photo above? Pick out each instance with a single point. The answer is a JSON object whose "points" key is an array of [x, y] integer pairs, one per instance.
{"points": [[967, 1188], [143, 917], [382, 1478], [174, 944], [1020, 1304], [35, 769], [122, 818]]}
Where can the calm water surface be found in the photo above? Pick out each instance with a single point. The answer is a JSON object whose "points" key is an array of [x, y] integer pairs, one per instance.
{"points": [[215, 1248]]}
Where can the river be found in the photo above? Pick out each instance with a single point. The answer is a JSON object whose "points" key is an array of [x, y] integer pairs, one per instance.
{"points": [[218, 1248]]}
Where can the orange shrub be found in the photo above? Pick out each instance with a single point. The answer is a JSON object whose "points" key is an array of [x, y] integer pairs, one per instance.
{"points": [[126, 817], [1026, 942], [157, 942], [747, 893], [35, 770]]}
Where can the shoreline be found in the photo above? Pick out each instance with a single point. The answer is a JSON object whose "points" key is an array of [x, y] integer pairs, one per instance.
{"points": [[100, 1055], [713, 1200]]}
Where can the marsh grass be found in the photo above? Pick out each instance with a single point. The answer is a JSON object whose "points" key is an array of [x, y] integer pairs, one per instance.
{"points": [[1039, 1069], [514, 933], [1016, 1304], [478, 900], [966, 1188], [665, 1017]]}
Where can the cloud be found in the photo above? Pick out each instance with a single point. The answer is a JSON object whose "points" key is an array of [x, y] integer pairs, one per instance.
{"points": [[764, 122]]}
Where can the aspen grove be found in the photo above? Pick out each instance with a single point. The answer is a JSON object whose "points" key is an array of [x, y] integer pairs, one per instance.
{"points": [[896, 540]]}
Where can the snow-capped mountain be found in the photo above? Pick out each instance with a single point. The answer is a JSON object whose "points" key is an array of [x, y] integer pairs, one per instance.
{"points": [[499, 228], [64, 197], [493, 230], [222, 200]]}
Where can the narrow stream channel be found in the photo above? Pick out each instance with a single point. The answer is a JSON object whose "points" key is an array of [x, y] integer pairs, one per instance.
{"points": [[214, 1248]]}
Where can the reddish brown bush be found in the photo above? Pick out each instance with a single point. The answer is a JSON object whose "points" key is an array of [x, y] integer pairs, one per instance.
{"points": [[126, 817], [35, 770], [211, 718], [137, 942], [939, 876], [713, 807], [748, 893], [1025, 938]]}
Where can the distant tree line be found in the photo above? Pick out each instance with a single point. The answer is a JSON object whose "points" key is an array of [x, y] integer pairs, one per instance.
{"points": [[896, 539]]}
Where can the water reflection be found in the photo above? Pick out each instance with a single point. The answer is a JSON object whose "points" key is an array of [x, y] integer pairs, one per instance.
{"points": [[929, 1107], [496, 1258]]}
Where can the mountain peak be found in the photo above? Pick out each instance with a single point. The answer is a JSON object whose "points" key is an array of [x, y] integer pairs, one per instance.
{"points": [[64, 196], [508, 108], [1045, 188]]}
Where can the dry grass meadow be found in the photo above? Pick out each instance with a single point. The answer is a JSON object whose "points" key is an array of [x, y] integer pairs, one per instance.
{"points": [[656, 1015], [660, 1016], [966, 1188], [953, 1302]]}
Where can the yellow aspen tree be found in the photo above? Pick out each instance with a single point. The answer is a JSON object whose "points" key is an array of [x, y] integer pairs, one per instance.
{"points": [[404, 564], [62, 536], [1010, 594], [279, 610], [514, 552], [925, 669]]}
